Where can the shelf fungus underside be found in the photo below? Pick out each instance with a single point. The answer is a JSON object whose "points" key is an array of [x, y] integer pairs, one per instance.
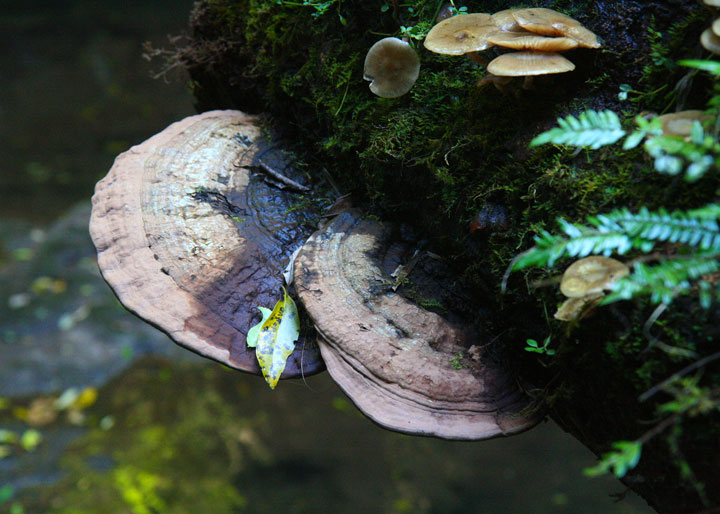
{"points": [[193, 241], [393, 358]]}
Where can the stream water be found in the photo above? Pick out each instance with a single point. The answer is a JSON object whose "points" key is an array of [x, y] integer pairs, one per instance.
{"points": [[101, 413]]}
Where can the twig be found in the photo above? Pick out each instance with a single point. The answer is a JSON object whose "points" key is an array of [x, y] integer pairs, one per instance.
{"points": [[654, 341], [276, 175], [687, 369], [658, 428]]}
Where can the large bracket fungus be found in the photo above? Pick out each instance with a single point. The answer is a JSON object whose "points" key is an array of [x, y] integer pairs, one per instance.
{"points": [[391, 356], [192, 241]]}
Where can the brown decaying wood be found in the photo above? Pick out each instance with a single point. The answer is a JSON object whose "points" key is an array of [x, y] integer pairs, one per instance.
{"points": [[185, 243]]}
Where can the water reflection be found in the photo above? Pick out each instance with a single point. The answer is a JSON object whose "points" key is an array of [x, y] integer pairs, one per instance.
{"points": [[75, 92], [197, 437], [181, 434]]}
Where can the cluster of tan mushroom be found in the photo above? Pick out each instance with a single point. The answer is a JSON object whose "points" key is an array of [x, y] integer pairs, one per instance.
{"points": [[680, 123], [710, 38], [584, 283], [538, 33]]}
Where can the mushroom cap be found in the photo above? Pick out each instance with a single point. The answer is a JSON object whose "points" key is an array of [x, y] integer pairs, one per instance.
{"points": [[392, 67], [712, 3], [505, 20], [552, 23], [392, 357], [461, 34], [521, 64], [193, 243], [710, 41], [574, 308], [716, 27], [680, 123], [526, 40], [591, 275]]}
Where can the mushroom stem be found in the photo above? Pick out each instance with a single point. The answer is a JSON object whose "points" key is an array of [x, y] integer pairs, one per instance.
{"points": [[477, 58]]}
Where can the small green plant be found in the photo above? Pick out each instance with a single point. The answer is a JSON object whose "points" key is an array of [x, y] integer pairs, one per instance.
{"points": [[534, 346], [320, 6], [418, 31], [625, 456], [456, 361]]}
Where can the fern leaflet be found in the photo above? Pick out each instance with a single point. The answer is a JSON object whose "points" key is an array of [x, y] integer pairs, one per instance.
{"points": [[621, 231], [591, 129], [666, 280]]}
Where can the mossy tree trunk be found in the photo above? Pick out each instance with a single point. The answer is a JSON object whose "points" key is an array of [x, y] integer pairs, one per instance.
{"points": [[448, 149]]}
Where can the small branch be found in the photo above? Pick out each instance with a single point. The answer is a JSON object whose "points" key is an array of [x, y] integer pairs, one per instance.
{"points": [[654, 341], [649, 323], [687, 369], [546, 282], [658, 428], [276, 175]]}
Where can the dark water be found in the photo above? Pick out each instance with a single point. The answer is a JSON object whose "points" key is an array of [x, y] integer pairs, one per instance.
{"points": [[169, 432], [75, 92]]}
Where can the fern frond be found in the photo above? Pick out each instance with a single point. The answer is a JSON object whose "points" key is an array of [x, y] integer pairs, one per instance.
{"points": [[547, 251], [697, 228], [591, 129], [712, 67], [665, 280], [621, 231]]}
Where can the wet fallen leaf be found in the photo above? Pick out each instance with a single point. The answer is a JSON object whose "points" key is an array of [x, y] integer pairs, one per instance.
{"points": [[76, 417], [254, 332], [6, 493], [48, 285], [67, 398], [41, 412], [20, 413], [276, 339], [30, 439], [107, 422], [86, 398], [7, 436]]}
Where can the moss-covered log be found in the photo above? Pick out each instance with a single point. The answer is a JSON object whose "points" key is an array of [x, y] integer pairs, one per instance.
{"points": [[449, 150]]}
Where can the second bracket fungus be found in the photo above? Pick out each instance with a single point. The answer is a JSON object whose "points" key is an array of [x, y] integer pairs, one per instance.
{"points": [[192, 241], [392, 67], [392, 357]]}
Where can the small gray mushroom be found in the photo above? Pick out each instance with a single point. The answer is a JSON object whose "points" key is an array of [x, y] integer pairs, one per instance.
{"points": [[392, 67]]}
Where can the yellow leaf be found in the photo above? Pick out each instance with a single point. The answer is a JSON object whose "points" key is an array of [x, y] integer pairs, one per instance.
{"points": [[276, 340], [86, 398], [254, 332]]}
